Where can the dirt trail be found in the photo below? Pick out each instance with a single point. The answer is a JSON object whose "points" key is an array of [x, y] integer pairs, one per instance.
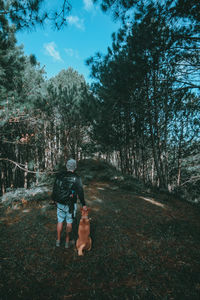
{"points": [[143, 248]]}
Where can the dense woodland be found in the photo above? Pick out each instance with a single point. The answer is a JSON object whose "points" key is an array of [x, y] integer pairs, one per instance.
{"points": [[141, 113]]}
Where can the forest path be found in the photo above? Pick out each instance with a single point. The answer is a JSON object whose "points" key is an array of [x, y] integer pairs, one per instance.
{"points": [[143, 248]]}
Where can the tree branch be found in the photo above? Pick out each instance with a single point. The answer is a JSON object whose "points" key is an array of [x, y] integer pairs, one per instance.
{"points": [[24, 169], [192, 179]]}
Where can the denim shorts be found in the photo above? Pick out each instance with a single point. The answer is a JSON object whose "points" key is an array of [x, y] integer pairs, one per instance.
{"points": [[63, 213]]}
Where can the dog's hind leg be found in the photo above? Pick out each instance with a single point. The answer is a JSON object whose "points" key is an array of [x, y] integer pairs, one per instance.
{"points": [[90, 244], [80, 250]]}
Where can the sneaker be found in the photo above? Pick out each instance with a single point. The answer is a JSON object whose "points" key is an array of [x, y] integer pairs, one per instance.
{"points": [[66, 245], [72, 242], [57, 243]]}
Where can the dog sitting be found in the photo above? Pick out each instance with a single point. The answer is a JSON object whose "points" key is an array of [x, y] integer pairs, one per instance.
{"points": [[84, 241]]}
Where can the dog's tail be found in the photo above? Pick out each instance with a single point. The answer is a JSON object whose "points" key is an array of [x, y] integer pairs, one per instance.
{"points": [[80, 249]]}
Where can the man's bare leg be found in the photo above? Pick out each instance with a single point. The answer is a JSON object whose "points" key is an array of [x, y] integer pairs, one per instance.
{"points": [[68, 230], [59, 231]]}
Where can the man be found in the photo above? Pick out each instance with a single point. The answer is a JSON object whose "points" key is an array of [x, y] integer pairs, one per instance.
{"points": [[66, 188]]}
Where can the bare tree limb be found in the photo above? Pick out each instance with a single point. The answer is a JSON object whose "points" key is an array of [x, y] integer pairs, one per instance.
{"points": [[192, 179], [24, 169]]}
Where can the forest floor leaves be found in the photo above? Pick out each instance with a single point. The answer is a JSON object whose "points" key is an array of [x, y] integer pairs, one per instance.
{"points": [[144, 247]]}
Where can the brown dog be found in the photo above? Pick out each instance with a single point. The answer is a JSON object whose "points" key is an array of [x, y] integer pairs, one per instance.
{"points": [[84, 241]]}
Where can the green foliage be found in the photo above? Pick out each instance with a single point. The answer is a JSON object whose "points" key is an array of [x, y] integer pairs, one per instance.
{"points": [[67, 92], [128, 9], [11, 64], [26, 14], [44, 179], [99, 170], [41, 121], [132, 184], [147, 99], [187, 9], [68, 95], [21, 194]]}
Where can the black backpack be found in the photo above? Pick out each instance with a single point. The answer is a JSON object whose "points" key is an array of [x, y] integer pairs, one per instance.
{"points": [[63, 190]]}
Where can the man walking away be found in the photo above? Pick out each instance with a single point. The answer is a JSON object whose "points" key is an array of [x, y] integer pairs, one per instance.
{"points": [[67, 188]]}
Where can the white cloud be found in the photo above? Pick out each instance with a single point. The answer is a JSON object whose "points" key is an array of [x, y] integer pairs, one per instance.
{"points": [[76, 21], [71, 52], [51, 50], [88, 4]]}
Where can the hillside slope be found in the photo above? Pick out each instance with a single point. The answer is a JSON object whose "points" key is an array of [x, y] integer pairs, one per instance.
{"points": [[143, 248]]}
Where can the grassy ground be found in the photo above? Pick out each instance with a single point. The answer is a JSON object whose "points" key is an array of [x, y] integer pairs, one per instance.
{"points": [[143, 248]]}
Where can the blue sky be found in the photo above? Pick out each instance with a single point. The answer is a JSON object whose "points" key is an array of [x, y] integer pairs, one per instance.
{"points": [[89, 30]]}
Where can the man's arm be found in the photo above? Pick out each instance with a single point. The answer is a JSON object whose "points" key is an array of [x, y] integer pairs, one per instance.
{"points": [[54, 192], [80, 192]]}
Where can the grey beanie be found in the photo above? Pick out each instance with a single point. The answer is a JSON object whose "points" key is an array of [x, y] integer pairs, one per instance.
{"points": [[71, 165]]}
